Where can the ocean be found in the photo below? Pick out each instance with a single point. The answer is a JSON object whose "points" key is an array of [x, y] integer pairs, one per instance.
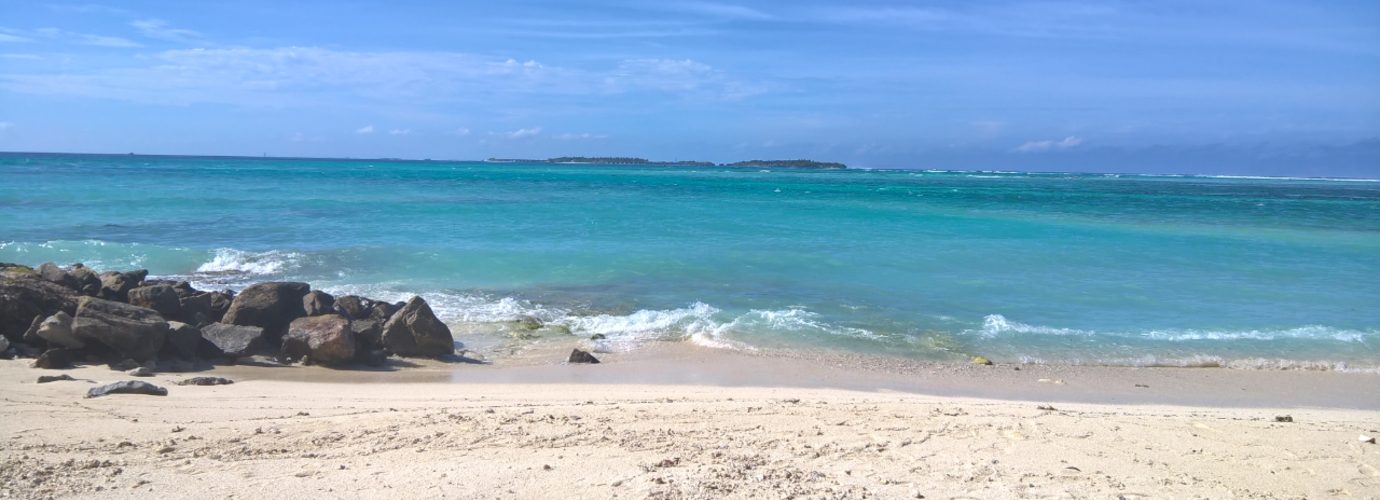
{"points": [[1141, 270]]}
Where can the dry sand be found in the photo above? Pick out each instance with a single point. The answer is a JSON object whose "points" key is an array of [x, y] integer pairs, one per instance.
{"points": [[702, 430]]}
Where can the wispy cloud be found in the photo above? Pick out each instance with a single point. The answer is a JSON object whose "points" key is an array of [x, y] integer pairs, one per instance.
{"points": [[400, 131], [524, 132], [8, 38], [21, 56], [460, 132], [367, 129], [157, 28], [720, 10], [5, 126], [1034, 146], [569, 136], [67, 37]]}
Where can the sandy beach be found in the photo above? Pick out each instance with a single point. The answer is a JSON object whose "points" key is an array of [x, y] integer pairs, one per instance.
{"points": [[711, 425]]}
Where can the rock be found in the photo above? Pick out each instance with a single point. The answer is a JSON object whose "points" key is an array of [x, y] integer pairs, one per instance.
{"points": [[161, 298], [31, 335], [206, 381], [382, 312], [234, 341], [182, 340], [415, 331], [43, 379], [373, 357], [132, 331], [141, 371], [88, 283], [124, 365], [582, 357], [325, 340], [196, 307], [127, 387], [979, 360], [368, 334], [116, 285], [220, 304], [177, 366], [597, 336], [56, 359], [1366, 439], [1284, 418], [4, 345], [270, 306], [354, 306], [22, 300], [317, 303], [528, 322], [51, 272], [57, 331]]}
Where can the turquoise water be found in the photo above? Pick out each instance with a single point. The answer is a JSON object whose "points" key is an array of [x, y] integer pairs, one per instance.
{"points": [[1054, 268]]}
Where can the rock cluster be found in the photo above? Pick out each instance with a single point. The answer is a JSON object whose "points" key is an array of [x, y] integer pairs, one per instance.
{"points": [[62, 316]]}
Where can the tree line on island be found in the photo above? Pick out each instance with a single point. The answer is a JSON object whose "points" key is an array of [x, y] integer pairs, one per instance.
{"points": [[619, 160]]}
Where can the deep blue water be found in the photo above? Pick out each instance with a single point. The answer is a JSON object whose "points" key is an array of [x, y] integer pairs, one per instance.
{"points": [[1060, 268]]}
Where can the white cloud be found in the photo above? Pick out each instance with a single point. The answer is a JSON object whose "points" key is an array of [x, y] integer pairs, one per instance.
{"points": [[104, 41], [400, 131], [1034, 146], [21, 56], [569, 136], [157, 28], [13, 39], [5, 126], [524, 132], [368, 129], [721, 10]]}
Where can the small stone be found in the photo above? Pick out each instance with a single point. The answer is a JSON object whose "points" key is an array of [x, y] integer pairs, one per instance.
{"points": [[206, 381], [125, 365], [979, 360], [127, 387], [142, 371], [582, 357], [597, 336], [1046, 408], [54, 378], [1366, 439], [1284, 418]]}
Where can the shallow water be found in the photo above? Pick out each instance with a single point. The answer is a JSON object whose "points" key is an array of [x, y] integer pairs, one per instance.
{"points": [[1057, 268]]}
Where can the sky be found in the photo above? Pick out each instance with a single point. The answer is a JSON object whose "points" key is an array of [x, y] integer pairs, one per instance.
{"points": [[1259, 87]]}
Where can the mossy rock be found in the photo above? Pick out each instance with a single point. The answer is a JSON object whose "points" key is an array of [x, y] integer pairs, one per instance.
{"points": [[979, 360]]}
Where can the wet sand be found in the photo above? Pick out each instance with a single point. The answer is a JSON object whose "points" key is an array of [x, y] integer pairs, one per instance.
{"points": [[690, 423]]}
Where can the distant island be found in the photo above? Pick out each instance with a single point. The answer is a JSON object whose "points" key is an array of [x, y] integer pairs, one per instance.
{"points": [[619, 160]]}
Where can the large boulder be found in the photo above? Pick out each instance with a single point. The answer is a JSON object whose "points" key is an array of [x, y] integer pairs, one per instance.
{"points": [[161, 298], [220, 304], [234, 341], [57, 332], [354, 306], [317, 303], [368, 334], [133, 332], [88, 283], [415, 331], [183, 340], [23, 299], [325, 340], [116, 285], [196, 309], [51, 272], [271, 306]]}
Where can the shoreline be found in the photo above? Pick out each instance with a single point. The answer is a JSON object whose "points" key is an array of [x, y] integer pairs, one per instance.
{"points": [[606, 431]]}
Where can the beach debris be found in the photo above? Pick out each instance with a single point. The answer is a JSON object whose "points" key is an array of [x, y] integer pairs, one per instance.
{"points": [[979, 360], [43, 379], [57, 332], [1366, 439], [1284, 418], [127, 387], [578, 357], [161, 298], [597, 336], [415, 331], [1142, 386], [317, 303], [132, 331], [270, 305], [56, 359], [325, 340], [205, 381], [1052, 381], [1046, 408], [142, 371], [234, 341]]}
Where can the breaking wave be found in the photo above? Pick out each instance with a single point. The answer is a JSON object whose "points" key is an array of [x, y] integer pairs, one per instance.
{"points": [[229, 260]]}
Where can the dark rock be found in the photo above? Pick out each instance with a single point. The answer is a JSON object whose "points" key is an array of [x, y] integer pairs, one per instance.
{"points": [[88, 283], [51, 272], [142, 371], [4, 345], [220, 304], [116, 285], [127, 387], [31, 335], [43, 379], [415, 331], [234, 341], [271, 306], [597, 336], [206, 381], [57, 332], [354, 306], [577, 356], [57, 359], [317, 303], [132, 331], [195, 308], [124, 365], [381, 312], [184, 289], [182, 339], [180, 366], [373, 357], [161, 298], [22, 300], [325, 340], [368, 334]]}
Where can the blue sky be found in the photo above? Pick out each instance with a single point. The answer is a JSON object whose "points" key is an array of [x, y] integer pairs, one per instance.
{"points": [[1267, 87]]}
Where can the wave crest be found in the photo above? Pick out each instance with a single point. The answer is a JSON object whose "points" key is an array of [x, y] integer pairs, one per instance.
{"points": [[229, 260]]}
